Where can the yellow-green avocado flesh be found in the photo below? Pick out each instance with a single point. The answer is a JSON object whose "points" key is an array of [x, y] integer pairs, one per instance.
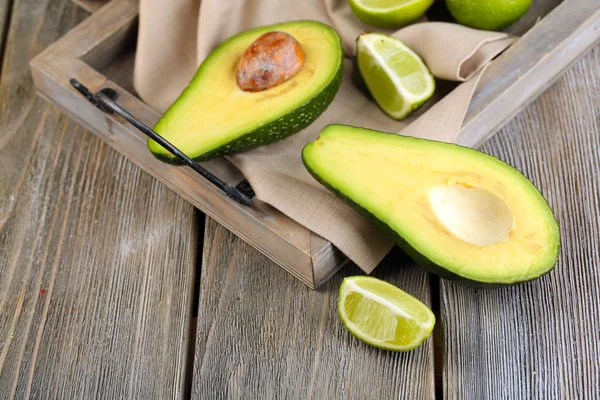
{"points": [[462, 214], [214, 117]]}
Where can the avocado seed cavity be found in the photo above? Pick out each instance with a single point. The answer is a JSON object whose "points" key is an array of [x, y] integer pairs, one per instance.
{"points": [[471, 214], [270, 60]]}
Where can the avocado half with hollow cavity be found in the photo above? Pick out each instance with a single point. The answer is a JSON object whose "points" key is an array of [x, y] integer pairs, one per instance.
{"points": [[460, 213], [214, 117]]}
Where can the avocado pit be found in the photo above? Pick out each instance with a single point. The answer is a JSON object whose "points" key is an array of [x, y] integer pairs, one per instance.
{"points": [[471, 214], [272, 59]]}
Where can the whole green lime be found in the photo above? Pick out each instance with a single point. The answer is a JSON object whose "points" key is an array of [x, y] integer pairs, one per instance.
{"points": [[491, 15], [389, 13]]}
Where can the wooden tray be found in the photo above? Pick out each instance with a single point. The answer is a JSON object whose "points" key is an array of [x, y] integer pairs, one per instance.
{"points": [[99, 53]]}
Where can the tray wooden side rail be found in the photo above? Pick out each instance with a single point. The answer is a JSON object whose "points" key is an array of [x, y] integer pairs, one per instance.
{"points": [[510, 82], [529, 67]]}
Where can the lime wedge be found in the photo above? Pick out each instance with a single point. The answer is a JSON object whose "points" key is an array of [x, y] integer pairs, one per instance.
{"points": [[382, 315], [389, 13], [397, 78]]}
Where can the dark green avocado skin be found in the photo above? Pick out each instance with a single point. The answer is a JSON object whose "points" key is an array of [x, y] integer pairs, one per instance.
{"points": [[407, 248], [281, 128]]}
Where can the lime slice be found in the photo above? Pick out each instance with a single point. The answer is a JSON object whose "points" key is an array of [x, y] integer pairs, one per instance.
{"points": [[389, 13], [382, 315], [397, 78]]}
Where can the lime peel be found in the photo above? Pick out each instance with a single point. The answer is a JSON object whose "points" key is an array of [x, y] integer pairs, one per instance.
{"points": [[389, 14], [491, 15], [388, 9]]}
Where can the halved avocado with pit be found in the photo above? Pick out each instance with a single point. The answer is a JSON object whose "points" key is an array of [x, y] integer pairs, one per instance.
{"points": [[214, 117], [460, 213]]}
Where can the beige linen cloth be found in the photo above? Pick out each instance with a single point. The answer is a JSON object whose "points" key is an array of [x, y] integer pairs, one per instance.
{"points": [[176, 35]]}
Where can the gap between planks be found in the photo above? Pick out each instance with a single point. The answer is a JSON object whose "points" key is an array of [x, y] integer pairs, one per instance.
{"points": [[5, 17], [437, 336], [193, 324]]}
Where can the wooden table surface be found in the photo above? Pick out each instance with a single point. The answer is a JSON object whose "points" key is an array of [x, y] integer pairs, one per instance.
{"points": [[111, 286]]}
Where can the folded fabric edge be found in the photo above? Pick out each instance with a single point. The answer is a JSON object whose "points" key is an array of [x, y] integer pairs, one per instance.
{"points": [[499, 44]]}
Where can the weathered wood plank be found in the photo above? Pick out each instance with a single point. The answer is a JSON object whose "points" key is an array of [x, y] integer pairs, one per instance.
{"points": [[540, 340], [97, 259], [261, 332]]}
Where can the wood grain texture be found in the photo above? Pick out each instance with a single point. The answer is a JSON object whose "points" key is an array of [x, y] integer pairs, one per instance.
{"points": [[262, 334], [120, 68], [540, 340], [97, 259], [86, 53]]}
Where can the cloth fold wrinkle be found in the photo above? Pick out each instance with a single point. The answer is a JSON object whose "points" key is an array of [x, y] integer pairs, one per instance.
{"points": [[168, 41]]}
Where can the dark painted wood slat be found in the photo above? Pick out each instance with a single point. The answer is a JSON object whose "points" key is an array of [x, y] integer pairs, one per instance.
{"points": [[263, 334], [540, 340], [97, 259]]}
